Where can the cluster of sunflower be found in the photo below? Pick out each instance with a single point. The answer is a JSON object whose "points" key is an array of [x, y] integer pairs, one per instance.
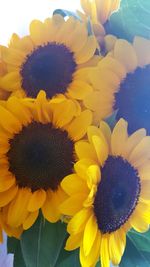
{"points": [[59, 154]]}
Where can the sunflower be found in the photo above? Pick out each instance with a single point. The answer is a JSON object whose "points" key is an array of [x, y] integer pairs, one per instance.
{"points": [[37, 139], [123, 78], [108, 193], [52, 58], [132, 97]]}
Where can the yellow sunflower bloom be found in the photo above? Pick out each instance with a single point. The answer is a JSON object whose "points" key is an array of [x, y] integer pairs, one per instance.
{"points": [[37, 139], [108, 193], [52, 58], [122, 82]]}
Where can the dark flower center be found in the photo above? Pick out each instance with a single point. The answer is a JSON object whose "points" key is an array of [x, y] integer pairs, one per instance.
{"points": [[117, 194], [40, 156], [133, 99], [50, 68]]}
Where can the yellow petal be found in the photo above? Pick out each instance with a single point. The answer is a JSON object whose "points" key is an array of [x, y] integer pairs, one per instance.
{"points": [[79, 89], [85, 4], [110, 41], [68, 27], [121, 50], [78, 222], [50, 208], [53, 26], [17, 212], [144, 171], [97, 101], [105, 8], [11, 81], [12, 56], [141, 152], [93, 130], [142, 206], [85, 150], [76, 44], [38, 32], [120, 237], [104, 79], [82, 74], [93, 175], [19, 93], [23, 44], [113, 65], [30, 220], [89, 234], [78, 127], [8, 121], [139, 224], [13, 231], [104, 251], [142, 48], [104, 127], [145, 189], [73, 204], [119, 137], [81, 167], [72, 184], [73, 242], [63, 112], [37, 200], [133, 141], [91, 259], [90, 198], [6, 182], [116, 247], [87, 51], [19, 110], [101, 148], [7, 196]]}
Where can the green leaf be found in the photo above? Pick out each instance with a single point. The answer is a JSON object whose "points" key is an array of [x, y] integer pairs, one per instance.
{"points": [[133, 18], [42, 243], [142, 240], [18, 257], [12, 244], [99, 264], [134, 255], [68, 259]]}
